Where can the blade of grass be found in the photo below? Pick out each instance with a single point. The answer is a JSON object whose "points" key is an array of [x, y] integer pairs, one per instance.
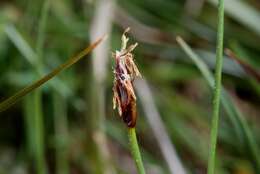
{"points": [[217, 90], [13, 99], [29, 54], [210, 79], [237, 119]]}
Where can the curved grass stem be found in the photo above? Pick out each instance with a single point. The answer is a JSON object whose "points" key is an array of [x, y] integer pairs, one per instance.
{"points": [[135, 150]]}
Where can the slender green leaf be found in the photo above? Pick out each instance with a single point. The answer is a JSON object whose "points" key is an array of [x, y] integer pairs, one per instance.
{"points": [[13, 99], [29, 54]]}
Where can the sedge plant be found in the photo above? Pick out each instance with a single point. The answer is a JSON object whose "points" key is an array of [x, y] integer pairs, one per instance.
{"points": [[124, 96]]}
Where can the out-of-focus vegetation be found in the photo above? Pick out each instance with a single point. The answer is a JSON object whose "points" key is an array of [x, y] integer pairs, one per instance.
{"points": [[69, 126]]}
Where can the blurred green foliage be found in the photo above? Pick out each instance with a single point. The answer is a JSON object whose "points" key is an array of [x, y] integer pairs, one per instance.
{"points": [[181, 93]]}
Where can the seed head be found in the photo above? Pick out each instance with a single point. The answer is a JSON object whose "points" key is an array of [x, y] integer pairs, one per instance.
{"points": [[125, 72]]}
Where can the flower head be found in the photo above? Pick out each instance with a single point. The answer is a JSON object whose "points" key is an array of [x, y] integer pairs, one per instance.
{"points": [[125, 72]]}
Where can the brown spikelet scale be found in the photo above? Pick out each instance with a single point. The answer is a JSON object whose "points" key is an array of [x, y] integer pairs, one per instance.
{"points": [[125, 72]]}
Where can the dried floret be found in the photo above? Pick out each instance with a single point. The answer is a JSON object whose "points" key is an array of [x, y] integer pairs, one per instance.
{"points": [[125, 72]]}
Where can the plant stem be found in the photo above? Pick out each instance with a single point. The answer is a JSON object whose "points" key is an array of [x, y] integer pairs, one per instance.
{"points": [[217, 89], [39, 133], [29, 125], [135, 150], [41, 166], [61, 133]]}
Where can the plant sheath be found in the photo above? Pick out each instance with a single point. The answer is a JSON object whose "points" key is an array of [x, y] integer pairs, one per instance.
{"points": [[135, 150], [217, 89]]}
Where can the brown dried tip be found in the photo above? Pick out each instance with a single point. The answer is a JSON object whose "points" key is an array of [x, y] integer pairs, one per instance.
{"points": [[125, 72], [248, 68]]}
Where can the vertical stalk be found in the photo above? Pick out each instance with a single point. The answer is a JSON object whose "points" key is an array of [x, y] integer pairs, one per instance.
{"points": [[28, 116], [217, 89], [37, 97], [61, 133], [33, 107], [39, 133], [135, 150]]}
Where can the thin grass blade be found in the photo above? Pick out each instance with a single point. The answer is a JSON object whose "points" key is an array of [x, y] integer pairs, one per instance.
{"points": [[13, 99], [30, 55]]}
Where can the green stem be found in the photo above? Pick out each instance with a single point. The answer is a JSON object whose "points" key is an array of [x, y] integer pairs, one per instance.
{"points": [[61, 133], [135, 151], [217, 89], [39, 133], [37, 97], [29, 125]]}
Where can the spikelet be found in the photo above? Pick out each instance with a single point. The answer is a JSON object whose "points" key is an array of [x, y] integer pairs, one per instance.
{"points": [[125, 72]]}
